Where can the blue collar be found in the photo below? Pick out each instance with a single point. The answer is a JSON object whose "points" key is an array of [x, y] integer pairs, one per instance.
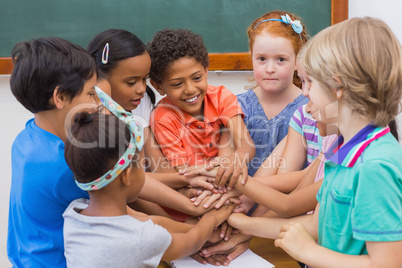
{"points": [[347, 154]]}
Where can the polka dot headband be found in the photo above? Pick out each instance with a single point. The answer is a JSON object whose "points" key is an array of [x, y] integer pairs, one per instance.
{"points": [[136, 142]]}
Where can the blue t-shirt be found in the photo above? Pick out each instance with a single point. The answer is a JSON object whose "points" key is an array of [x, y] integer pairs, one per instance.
{"points": [[42, 187], [266, 133]]}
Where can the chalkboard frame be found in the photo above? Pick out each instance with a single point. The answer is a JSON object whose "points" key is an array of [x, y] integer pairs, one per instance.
{"points": [[227, 61]]}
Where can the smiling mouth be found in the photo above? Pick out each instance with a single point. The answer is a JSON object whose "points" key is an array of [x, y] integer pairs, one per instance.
{"points": [[192, 99]]}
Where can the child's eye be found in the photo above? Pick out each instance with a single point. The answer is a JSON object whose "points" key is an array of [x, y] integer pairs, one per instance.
{"points": [[281, 59], [131, 83], [261, 59], [197, 78], [176, 84]]}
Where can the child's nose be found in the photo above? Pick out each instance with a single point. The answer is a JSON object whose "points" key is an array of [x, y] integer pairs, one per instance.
{"points": [[270, 68], [190, 88], [140, 90], [306, 90]]}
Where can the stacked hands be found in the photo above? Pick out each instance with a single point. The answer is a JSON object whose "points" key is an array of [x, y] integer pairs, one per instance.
{"points": [[214, 185], [211, 185]]}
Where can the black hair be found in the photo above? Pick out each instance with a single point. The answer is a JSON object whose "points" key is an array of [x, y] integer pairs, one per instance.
{"points": [[122, 45], [41, 65], [169, 45], [95, 144]]}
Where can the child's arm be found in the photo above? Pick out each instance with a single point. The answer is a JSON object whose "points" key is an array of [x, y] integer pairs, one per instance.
{"points": [[286, 205], [289, 155], [295, 152], [237, 244], [177, 181], [155, 160], [288, 182], [296, 241], [147, 207], [159, 193], [272, 192], [225, 148], [236, 163], [270, 166], [270, 227], [185, 244]]}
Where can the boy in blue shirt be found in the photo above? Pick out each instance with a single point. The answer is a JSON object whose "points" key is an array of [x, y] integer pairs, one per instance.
{"points": [[53, 79]]}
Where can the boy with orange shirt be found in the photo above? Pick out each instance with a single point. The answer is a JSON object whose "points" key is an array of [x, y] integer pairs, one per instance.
{"points": [[187, 122]]}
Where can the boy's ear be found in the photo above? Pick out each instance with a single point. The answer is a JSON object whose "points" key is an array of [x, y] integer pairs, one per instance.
{"points": [[339, 91], [158, 87], [58, 99]]}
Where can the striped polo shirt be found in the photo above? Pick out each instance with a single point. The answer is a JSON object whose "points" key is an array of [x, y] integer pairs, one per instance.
{"points": [[305, 125]]}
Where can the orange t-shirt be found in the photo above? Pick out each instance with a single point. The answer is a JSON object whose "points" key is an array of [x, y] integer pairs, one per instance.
{"points": [[186, 140]]}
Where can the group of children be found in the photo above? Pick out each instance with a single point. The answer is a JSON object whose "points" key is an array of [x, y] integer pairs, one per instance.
{"points": [[102, 178]]}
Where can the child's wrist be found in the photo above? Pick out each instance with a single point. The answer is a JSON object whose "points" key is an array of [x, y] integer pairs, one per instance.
{"points": [[207, 217]]}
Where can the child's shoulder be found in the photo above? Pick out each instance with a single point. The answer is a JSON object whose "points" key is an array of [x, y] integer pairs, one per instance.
{"points": [[385, 149], [249, 95], [218, 91], [34, 138], [249, 101], [165, 109], [220, 96]]}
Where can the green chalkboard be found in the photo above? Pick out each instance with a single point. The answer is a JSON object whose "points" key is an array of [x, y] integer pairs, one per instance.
{"points": [[222, 23]]}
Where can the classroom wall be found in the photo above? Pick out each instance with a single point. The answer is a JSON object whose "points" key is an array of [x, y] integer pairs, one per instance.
{"points": [[13, 116]]}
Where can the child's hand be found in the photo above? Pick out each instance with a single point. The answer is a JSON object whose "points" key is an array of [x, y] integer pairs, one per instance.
{"points": [[190, 192], [216, 260], [231, 169], [239, 221], [245, 205], [224, 199], [231, 196], [200, 198], [225, 231], [214, 237], [232, 248], [295, 240], [208, 171], [221, 214], [202, 181]]}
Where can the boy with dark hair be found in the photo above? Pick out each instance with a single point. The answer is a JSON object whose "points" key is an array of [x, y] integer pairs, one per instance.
{"points": [[53, 79], [187, 122]]}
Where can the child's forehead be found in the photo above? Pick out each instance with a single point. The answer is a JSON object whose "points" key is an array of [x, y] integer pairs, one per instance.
{"points": [[181, 66], [268, 43]]}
